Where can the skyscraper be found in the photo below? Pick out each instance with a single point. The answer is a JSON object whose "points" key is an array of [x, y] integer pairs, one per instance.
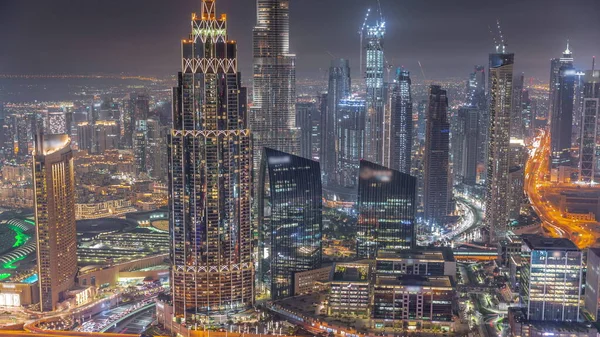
{"points": [[338, 89], [500, 91], [375, 63], [386, 210], [588, 156], [274, 87], [561, 115], [136, 109], [436, 198], [54, 194], [469, 118], [551, 276], [290, 219], [306, 114], [401, 126], [210, 162], [350, 135], [516, 119]]}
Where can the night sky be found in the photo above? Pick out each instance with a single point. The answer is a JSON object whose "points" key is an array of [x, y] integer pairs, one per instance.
{"points": [[142, 37]]}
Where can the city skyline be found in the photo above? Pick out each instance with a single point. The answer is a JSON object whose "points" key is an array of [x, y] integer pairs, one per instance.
{"points": [[109, 49]]}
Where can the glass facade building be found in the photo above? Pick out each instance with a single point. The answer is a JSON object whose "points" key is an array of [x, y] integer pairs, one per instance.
{"points": [[290, 219], [551, 273], [561, 125], [210, 167], [350, 135], [386, 210], [56, 234], [401, 123], [375, 65], [590, 135], [500, 91]]}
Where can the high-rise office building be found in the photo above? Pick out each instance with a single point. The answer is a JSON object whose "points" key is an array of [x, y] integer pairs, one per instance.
{"points": [[136, 108], [516, 177], [290, 219], [561, 115], [401, 126], [436, 198], [588, 156], [386, 210], [551, 271], [156, 153], [56, 235], [516, 119], [338, 89], [375, 65], [105, 136], [84, 136], [274, 88], [476, 98], [592, 283], [500, 91], [350, 135], [56, 122], [306, 113], [468, 118], [210, 162], [140, 147]]}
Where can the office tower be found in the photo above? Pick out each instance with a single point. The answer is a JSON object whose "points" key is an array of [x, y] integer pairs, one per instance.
{"points": [[290, 219], [401, 126], [468, 142], [528, 117], [350, 135], [436, 198], [386, 210], [274, 87], [84, 136], [136, 108], [156, 162], [516, 119], [562, 93], [105, 136], [516, 177], [588, 155], [476, 98], [54, 195], [140, 150], [375, 63], [551, 271], [22, 125], [500, 91], [338, 89], [56, 122], [210, 162], [555, 65], [350, 294], [592, 283], [307, 112]]}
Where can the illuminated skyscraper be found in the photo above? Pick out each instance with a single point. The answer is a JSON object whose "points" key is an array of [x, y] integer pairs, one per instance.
{"points": [[386, 210], [136, 109], [338, 89], [210, 162], [375, 63], [588, 156], [350, 135], [273, 114], [56, 235], [436, 198], [401, 126], [561, 115], [468, 141], [290, 212], [500, 91], [551, 276]]}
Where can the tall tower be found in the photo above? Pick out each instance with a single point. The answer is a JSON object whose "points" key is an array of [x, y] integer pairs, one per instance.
{"points": [[386, 210], [350, 135], [54, 195], [436, 197], [291, 229], [375, 62], [500, 91], [210, 168], [561, 115], [338, 89], [274, 90], [588, 156], [401, 135]]}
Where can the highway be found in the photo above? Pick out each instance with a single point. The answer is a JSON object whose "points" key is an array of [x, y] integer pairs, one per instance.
{"points": [[536, 171], [136, 323]]}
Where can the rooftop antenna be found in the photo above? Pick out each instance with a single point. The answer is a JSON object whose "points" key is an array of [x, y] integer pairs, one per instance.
{"points": [[494, 38], [422, 71], [380, 12], [361, 32]]}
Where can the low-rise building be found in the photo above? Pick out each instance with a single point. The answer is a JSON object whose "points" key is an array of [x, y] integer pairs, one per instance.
{"points": [[309, 281], [425, 261], [350, 294], [519, 326]]}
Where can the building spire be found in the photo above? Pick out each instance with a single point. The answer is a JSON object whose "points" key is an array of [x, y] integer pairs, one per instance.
{"points": [[567, 51], [209, 9]]}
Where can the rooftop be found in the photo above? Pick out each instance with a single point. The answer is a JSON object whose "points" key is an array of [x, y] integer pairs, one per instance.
{"points": [[538, 242], [415, 281], [426, 253]]}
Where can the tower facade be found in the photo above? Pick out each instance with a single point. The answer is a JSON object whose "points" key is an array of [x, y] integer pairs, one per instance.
{"points": [[375, 64], [561, 115], [501, 78], [54, 195], [401, 126], [290, 219], [350, 135], [588, 156], [436, 196], [338, 89], [210, 167], [386, 210], [273, 114]]}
